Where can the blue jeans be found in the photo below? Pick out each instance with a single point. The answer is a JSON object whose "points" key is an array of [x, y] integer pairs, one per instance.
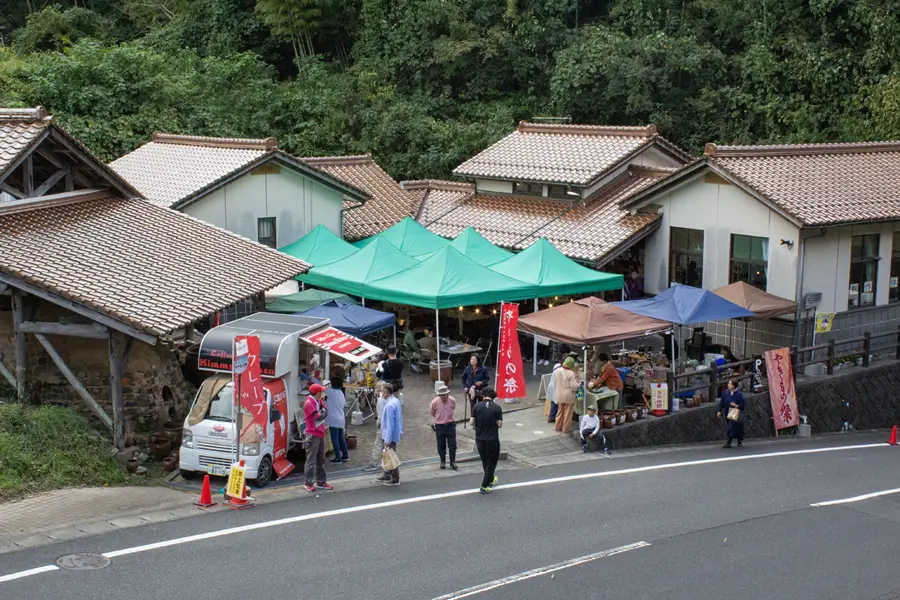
{"points": [[554, 408], [339, 443]]}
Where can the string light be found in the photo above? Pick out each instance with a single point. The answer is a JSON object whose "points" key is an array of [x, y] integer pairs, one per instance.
{"points": [[494, 311], [551, 305], [478, 311], [556, 297], [460, 308]]}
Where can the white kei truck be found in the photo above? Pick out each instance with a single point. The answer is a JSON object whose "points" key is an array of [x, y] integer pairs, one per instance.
{"points": [[209, 439]]}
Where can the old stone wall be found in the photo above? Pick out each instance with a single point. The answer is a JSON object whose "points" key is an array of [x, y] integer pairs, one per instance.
{"points": [[866, 398], [154, 387]]}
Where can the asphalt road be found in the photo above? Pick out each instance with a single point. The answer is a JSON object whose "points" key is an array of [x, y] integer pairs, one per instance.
{"points": [[710, 529]]}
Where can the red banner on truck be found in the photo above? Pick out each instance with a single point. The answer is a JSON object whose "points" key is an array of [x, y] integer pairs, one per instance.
{"points": [[251, 400]]}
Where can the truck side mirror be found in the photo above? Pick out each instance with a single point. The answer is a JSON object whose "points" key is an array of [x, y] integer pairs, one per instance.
{"points": [[275, 415]]}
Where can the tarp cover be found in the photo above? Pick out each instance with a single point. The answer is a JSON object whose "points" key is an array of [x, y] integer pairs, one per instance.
{"points": [[685, 305], [554, 274], [763, 304], [305, 300], [319, 247], [351, 318], [377, 260], [410, 238], [589, 321], [475, 246], [446, 279]]}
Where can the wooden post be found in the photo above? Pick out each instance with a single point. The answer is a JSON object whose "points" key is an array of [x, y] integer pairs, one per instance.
{"points": [[73, 381], [867, 345], [21, 342], [829, 366], [28, 176], [116, 373], [10, 379]]}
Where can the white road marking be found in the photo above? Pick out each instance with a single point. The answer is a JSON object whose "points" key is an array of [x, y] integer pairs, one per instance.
{"points": [[28, 573], [491, 585], [857, 498], [441, 496]]}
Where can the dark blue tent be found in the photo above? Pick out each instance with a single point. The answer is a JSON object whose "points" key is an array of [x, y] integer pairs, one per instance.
{"points": [[685, 305], [350, 318]]}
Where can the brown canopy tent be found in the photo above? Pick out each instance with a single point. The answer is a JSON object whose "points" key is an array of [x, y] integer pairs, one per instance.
{"points": [[590, 321], [764, 304]]}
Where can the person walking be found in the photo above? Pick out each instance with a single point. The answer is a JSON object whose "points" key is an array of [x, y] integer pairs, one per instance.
{"points": [[566, 388], [378, 445], [732, 404], [442, 409], [391, 431], [487, 418], [551, 395], [315, 414], [336, 402], [474, 379]]}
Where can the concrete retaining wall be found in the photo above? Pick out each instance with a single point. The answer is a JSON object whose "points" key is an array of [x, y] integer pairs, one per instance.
{"points": [[865, 398]]}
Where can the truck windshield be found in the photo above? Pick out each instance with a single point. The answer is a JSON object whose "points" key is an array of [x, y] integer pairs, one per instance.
{"points": [[220, 409]]}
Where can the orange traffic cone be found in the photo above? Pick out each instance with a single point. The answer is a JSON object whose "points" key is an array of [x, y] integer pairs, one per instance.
{"points": [[205, 496], [893, 440]]}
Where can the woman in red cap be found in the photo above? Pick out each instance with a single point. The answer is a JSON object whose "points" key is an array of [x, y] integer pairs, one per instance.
{"points": [[315, 413]]}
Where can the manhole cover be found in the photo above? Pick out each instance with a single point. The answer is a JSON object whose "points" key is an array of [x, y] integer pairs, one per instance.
{"points": [[83, 562]]}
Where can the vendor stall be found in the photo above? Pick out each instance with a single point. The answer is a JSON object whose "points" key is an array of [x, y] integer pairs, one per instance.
{"points": [[319, 247], [763, 304]]}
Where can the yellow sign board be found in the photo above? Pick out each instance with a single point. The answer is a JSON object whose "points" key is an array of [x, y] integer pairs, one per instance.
{"points": [[236, 482], [824, 322]]}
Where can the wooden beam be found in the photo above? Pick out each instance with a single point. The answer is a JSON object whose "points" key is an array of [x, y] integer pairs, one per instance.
{"points": [[78, 309], [93, 331], [12, 191], [50, 182], [28, 175], [99, 168], [10, 379], [63, 163], [70, 377], [70, 182], [21, 344], [117, 349]]}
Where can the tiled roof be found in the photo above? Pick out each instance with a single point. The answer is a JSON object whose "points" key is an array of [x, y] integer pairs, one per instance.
{"points": [[585, 232], [820, 184], [172, 168], [19, 129], [388, 202], [150, 267], [438, 197], [566, 154]]}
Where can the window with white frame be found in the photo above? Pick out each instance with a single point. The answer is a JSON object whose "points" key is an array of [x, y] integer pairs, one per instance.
{"points": [[265, 232], [863, 269]]}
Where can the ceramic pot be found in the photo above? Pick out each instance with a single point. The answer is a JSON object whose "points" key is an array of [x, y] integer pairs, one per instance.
{"points": [[160, 446], [169, 464], [619, 416], [631, 414], [351, 442], [607, 420], [172, 430], [132, 465]]}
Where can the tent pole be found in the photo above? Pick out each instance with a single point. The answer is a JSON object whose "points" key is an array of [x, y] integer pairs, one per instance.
{"points": [[302, 286], [395, 335], [534, 354], [437, 331], [584, 395], [363, 301], [672, 344], [744, 357]]}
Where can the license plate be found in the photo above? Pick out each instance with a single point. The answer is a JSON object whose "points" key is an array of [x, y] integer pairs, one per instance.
{"points": [[217, 470]]}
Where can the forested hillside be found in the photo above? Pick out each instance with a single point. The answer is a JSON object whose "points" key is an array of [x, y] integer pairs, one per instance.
{"points": [[423, 84]]}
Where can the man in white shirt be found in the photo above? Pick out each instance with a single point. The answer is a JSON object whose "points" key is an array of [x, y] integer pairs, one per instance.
{"points": [[590, 428]]}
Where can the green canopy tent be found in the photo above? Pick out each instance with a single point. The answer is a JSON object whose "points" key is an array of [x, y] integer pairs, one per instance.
{"points": [[445, 279], [377, 260], [475, 246], [305, 300], [410, 237], [319, 247], [554, 274]]}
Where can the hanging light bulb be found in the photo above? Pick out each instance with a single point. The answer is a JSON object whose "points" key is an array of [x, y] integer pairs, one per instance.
{"points": [[494, 311], [551, 305], [460, 308], [556, 297], [478, 311]]}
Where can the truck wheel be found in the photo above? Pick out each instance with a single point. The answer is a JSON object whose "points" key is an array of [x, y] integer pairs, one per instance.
{"points": [[188, 475], [264, 474]]}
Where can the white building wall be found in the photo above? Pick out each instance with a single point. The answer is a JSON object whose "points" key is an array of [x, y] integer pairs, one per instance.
{"points": [[496, 186], [720, 210], [297, 202]]}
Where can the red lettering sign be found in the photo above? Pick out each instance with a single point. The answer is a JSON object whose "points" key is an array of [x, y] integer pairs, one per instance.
{"points": [[510, 376], [251, 400], [781, 388]]}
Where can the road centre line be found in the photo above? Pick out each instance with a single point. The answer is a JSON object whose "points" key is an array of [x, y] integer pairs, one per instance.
{"points": [[572, 562], [857, 498], [441, 496]]}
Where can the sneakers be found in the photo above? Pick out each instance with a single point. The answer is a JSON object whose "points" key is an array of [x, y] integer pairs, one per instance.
{"points": [[325, 486], [335, 461], [370, 468], [485, 490], [494, 482], [345, 460], [607, 452], [584, 449], [383, 478], [310, 488], [390, 482]]}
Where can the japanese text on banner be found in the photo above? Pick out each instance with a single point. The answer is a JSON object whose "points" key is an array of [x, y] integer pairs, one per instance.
{"points": [[510, 377], [780, 377], [252, 401]]}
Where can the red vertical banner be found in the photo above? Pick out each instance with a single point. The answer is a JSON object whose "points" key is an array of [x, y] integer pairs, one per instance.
{"points": [[510, 377], [780, 377], [247, 380]]}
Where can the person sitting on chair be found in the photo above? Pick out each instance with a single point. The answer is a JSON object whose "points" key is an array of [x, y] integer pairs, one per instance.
{"points": [[474, 379]]}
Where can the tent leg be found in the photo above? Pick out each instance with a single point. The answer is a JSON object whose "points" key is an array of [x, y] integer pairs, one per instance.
{"points": [[395, 336], [363, 301], [437, 331], [673, 350], [584, 396], [534, 354], [745, 342], [326, 375], [302, 286]]}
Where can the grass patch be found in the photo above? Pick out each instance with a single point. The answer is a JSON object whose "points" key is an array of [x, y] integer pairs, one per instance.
{"points": [[51, 447]]}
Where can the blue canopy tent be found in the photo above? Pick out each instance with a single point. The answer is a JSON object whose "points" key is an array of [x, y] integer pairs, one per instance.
{"points": [[685, 305], [356, 320]]}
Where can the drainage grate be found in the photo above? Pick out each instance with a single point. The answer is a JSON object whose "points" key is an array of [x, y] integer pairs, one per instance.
{"points": [[83, 562]]}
